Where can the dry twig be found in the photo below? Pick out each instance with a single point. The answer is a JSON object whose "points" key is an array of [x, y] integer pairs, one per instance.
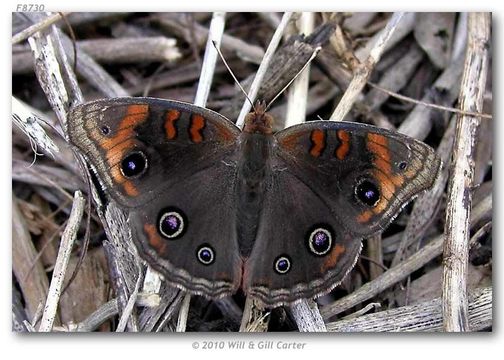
{"points": [[456, 246]]}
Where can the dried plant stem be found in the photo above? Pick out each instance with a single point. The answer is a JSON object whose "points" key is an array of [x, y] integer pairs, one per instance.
{"points": [[29, 272], [364, 70], [183, 313], [298, 94], [152, 281], [406, 25], [129, 308], [456, 247], [49, 74], [41, 25], [94, 73], [60, 267], [210, 59], [254, 88], [27, 122], [254, 319], [430, 105], [307, 316], [446, 87], [425, 316], [131, 50]]}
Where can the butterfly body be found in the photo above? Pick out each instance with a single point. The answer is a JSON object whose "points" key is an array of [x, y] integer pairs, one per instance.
{"points": [[215, 209]]}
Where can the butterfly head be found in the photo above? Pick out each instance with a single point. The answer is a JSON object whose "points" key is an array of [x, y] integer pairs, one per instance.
{"points": [[259, 121]]}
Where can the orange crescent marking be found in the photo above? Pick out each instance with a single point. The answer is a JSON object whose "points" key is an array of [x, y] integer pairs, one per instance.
{"points": [[197, 124], [332, 260], [342, 150], [377, 138], [387, 187], [154, 239], [378, 145], [115, 156], [383, 165], [169, 125], [318, 139], [130, 189], [117, 145], [364, 216]]}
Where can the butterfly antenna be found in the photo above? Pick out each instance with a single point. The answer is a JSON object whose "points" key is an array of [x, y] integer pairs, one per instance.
{"points": [[315, 52], [232, 74]]}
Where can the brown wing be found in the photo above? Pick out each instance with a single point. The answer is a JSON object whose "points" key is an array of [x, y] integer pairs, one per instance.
{"points": [[140, 146]]}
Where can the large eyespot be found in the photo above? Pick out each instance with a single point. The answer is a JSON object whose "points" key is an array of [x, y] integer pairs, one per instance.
{"points": [[402, 165], [282, 264], [172, 223], [205, 254], [134, 164], [105, 130], [320, 241], [367, 193]]}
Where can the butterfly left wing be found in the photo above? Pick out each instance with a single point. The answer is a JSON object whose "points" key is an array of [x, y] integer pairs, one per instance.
{"points": [[171, 165], [331, 184]]}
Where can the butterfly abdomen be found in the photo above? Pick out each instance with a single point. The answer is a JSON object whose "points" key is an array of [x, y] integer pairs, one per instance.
{"points": [[253, 168]]}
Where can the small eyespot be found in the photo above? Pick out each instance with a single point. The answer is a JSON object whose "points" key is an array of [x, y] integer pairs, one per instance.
{"points": [[105, 130], [205, 254], [320, 241], [367, 193], [172, 224], [282, 264], [134, 164], [402, 165]]}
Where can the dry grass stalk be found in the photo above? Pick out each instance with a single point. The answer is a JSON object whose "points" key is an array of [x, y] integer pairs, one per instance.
{"points": [[30, 273], [307, 316], [298, 91], [456, 247], [362, 73], [254, 88], [422, 317], [255, 317], [67, 241], [24, 34]]}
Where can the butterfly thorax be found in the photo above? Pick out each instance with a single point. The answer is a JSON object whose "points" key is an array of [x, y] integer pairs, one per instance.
{"points": [[259, 121], [253, 167]]}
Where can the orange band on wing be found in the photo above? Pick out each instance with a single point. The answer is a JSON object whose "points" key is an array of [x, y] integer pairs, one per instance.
{"points": [[197, 124], [318, 142], [155, 240], [169, 125], [365, 216], [344, 147], [383, 173], [116, 146], [332, 260]]}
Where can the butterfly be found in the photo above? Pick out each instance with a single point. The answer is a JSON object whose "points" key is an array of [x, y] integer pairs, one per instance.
{"points": [[214, 208]]}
